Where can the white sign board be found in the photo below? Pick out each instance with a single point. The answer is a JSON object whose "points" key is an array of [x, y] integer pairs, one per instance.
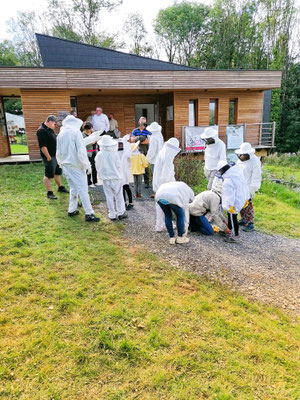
{"points": [[193, 141], [235, 136]]}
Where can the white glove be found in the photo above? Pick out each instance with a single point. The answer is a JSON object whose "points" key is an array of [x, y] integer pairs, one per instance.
{"points": [[89, 170]]}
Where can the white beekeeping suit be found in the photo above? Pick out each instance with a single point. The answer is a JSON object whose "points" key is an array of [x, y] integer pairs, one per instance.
{"points": [[178, 193], [156, 142], [251, 167], [164, 172], [234, 188], [215, 151], [72, 157], [108, 167], [125, 159]]}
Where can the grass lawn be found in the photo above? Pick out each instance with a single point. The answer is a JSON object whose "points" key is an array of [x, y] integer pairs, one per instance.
{"points": [[86, 315], [18, 148], [288, 173]]}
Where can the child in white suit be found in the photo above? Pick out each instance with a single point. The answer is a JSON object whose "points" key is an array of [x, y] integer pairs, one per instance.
{"points": [[108, 167]]}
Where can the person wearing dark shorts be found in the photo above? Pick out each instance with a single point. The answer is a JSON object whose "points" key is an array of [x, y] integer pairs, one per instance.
{"points": [[47, 143]]}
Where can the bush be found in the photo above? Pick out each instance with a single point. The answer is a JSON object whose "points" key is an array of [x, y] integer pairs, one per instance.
{"points": [[286, 159], [189, 169]]}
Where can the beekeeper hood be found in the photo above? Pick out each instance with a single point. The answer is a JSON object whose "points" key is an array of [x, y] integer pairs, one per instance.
{"points": [[71, 122], [245, 152], [154, 128], [107, 143], [210, 135], [164, 167]]}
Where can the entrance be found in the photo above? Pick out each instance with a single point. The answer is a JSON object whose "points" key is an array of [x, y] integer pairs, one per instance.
{"points": [[15, 125], [150, 111]]}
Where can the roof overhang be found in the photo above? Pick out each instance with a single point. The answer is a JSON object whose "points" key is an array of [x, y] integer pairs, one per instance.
{"points": [[55, 78]]}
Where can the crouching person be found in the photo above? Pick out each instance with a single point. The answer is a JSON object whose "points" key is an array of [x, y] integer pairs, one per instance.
{"points": [[235, 195], [251, 167], [175, 196], [206, 202], [72, 157], [108, 167]]}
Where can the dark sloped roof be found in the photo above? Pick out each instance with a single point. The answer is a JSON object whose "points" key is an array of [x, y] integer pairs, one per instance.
{"points": [[61, 53]]}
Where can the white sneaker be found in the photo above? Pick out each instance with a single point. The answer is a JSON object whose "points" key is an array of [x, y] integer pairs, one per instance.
{"points": [[97, 184], [92, 186], [182, 240], [172, 240]]}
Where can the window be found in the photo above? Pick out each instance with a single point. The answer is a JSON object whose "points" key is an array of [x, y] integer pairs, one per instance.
{"points": [[73, 103], [213, 112], [193, 113], [232, 112]]}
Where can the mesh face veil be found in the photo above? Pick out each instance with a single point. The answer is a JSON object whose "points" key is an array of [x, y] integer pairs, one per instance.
{"points": [[209, 141]]}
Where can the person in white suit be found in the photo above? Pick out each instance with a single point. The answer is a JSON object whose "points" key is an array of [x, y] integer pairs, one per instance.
{"points": [[164, 172], [108, 167], [251, 167], [72, 157], [215, 151], [125, 154], [235, 195]]}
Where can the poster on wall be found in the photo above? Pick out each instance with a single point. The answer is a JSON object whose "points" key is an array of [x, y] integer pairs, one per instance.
{"points": [[193, 141], [61, 115], [234, 136], [170, 113]]}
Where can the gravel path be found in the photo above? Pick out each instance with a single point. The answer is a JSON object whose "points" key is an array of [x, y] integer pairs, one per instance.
{"points": [[264, 267]]}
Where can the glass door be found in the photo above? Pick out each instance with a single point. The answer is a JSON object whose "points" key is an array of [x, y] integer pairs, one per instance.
{"points": [[15, 125]]}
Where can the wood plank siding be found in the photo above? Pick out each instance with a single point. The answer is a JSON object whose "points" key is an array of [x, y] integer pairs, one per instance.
{"points": [[37, 105], [4, 145], [30, 78], [249, 109]]}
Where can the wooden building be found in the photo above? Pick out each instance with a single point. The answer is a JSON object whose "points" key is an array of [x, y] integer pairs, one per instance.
{"points": [[83, 76]]}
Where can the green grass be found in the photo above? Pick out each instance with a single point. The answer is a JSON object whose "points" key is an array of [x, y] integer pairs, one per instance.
{"points": [[289, 174], [87, 315], [18, 148]]}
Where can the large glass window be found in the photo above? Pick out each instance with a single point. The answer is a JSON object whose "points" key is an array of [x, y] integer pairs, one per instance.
{"points": [[213, 112], [232, 112]]}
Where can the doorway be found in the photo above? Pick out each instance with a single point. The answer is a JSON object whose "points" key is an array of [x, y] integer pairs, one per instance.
{"points": [[150, 111], [15, 125]]}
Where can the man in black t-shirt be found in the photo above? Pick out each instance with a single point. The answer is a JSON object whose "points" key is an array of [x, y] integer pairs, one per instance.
{"points": [[47, 143]]}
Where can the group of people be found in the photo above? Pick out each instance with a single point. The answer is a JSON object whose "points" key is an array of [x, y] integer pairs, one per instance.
{"points": [[90, 150]]}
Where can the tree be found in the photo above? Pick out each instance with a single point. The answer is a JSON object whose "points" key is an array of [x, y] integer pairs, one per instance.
{"points": [[7, 54], [181, 28], [23, 28], [77, 19], [135, 28]]}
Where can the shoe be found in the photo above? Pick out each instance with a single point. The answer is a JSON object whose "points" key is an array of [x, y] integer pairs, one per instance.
{"points": [[97, 184], [172, 240], [249, 228], [73, 213], [62, 189], [91, 218], [182, 240], [223, 233], [138, 196], [51, 196], [129, 206], [113, 219], [231, 239], [92, 186], [152, 195], [242, 222], [123, 216]]}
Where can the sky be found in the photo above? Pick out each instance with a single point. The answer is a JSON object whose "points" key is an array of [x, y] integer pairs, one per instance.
{"points": [[112, 22]]}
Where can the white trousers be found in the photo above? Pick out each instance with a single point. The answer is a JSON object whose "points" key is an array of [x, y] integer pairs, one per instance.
{"points": [[210, 175], [78, 186], [113, 190], [160, 219]]}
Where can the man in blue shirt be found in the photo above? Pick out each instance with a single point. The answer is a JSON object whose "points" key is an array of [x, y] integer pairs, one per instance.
{"points": [[141, 134]]}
